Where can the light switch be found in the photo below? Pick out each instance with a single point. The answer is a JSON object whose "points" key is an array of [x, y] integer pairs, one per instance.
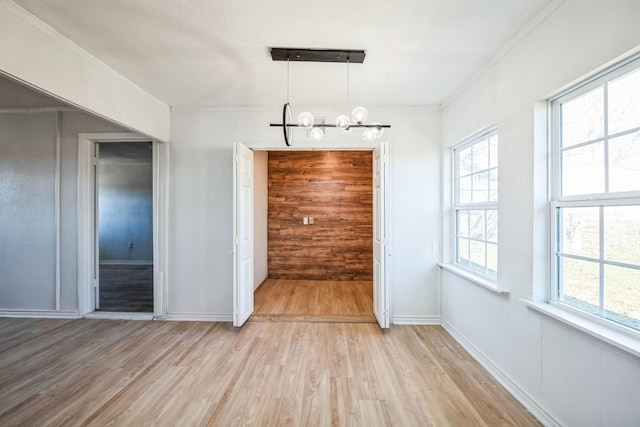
{"points": [[311, 220], [435, 247], [305, 220]]}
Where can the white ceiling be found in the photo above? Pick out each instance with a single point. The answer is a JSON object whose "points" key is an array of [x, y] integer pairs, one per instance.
{"points": [[208, 53]]}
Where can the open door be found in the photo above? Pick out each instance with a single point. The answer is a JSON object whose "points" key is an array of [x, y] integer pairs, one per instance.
{"points": [[242, 233], [380, 230]]}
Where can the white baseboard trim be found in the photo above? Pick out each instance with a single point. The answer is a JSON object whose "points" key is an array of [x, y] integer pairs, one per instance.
{"points": [[118, 315], [199, 317], [40, 314], [530, 404], [416, 320]]}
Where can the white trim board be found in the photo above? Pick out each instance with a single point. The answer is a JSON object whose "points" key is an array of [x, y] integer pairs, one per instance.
{"points": [[527, 401], [199, 317], [41, 314], [417, 320], [118, 315]]}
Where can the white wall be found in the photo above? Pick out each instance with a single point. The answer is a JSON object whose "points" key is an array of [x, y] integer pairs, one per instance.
{"points": [[200, 282], [260, 221], [577, 379]]}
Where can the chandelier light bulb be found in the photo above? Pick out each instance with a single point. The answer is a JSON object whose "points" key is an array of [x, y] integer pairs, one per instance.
{"points": [[378, 131], [369, 134], [305, 120], [359, 115], [316, 133], [343, 123]]}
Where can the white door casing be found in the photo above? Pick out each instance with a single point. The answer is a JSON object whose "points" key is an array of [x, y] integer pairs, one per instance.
{"points": [[380, 234], [96, 226], [88, 228], [242, 233]]}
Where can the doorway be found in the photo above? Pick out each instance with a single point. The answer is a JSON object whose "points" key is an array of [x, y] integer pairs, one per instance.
{"points": [[124, 226], [319, 227], [124, 245], [245, 237]]}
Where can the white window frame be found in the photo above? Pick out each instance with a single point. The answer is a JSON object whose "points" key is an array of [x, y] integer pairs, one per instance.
{"points": [[598, 200], [471, 140]]}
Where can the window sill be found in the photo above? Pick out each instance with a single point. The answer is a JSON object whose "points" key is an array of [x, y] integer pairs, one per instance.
{"points": [[617, 339], [474, 278]]}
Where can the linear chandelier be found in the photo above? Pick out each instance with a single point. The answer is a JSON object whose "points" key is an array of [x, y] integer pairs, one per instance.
{"points": [[316, 129]]}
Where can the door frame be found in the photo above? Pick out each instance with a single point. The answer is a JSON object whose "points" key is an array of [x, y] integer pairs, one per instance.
{"points": [[86, 219], [386, 250]]}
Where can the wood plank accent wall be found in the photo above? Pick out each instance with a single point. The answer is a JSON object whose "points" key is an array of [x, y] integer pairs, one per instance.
{"points": [[335, 189]]}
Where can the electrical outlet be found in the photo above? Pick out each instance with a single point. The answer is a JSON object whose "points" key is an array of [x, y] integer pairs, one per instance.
{"points": [[311, 220], [305, 220]]}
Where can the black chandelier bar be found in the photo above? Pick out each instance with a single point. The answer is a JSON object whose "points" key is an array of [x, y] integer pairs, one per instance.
{"points": [[327, 125], [306, 120]]}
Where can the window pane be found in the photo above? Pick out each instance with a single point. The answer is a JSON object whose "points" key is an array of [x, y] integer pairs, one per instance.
{"points": [[476, 224], [580, 284], [580, 231], [480, 187], [493, 185], [624, 103], [582, 118], [622, 234], [476, 198], [622, 295], [481, 155], [463, 251], [477, 255], [465, 190], [464, 162], [624, 163], [492, 259], [493, 151], [583, 170], [462, 223], [492, 225]]}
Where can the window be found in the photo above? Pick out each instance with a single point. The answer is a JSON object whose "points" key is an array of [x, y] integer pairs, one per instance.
{"points": [[595, 195], [476, 203]]}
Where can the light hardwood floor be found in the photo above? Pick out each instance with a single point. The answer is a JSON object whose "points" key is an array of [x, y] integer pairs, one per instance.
{"points": [[139, 373], [314, 301]]}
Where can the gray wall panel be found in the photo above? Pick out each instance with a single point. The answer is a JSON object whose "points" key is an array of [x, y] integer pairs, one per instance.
{"points": [[27, 211]]}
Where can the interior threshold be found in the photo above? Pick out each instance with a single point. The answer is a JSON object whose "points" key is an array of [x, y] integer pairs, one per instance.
{"points": [[317, 318], [119, 315]]}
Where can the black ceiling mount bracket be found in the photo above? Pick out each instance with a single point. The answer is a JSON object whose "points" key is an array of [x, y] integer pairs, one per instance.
{"points": [[317, 55]]}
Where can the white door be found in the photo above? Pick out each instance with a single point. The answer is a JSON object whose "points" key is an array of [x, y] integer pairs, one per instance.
{"points": [[242, 233], [380, 230]]}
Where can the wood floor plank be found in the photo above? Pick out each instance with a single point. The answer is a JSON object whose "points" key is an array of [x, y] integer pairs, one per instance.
{"points": [[314, 300], [133, 373], [20, 331]]}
